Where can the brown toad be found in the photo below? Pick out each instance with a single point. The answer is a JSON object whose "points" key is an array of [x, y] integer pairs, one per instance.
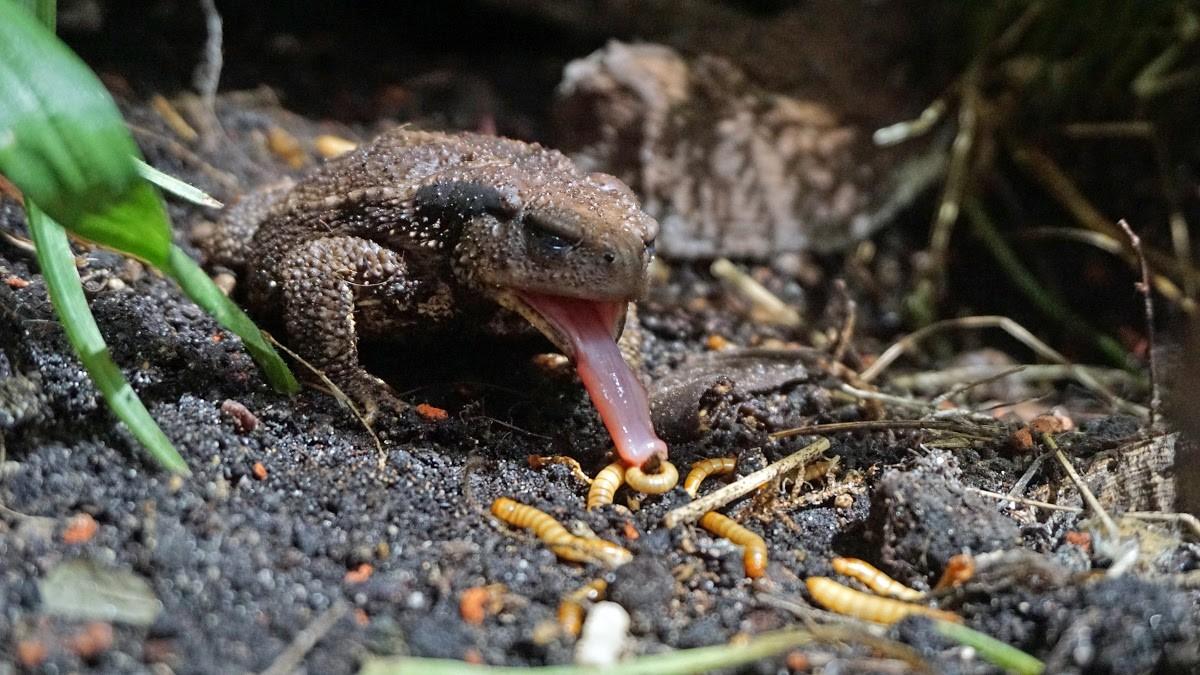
{"points": [[424, 232]]}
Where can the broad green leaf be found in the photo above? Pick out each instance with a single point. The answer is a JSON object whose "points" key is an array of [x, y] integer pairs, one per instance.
{"points": [[64, 144], [66, 294]]}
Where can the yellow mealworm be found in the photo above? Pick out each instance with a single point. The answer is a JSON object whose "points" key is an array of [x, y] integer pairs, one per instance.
{"points": [[605, 485], [754, 557], [570, 617], [556, 537], [652, 483], [874, 578], [541, 461], [570, 610], [959, 570], [717, 466], [846, 600]]}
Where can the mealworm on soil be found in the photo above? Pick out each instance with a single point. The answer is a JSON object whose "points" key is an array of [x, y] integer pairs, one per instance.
{"points": [[541, 461], [653, 483], [874, 578], [754, 557], [556, 537], [845, 600], [571, 610], [716, 466], [605, 485], [959, 570]]}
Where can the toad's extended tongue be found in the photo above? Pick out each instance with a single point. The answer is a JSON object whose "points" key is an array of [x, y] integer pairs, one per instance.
{"points": [[615, 390]]}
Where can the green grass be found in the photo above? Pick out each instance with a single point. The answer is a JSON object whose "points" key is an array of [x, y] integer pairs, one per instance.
{"points": [[1011, 659], [64, 144], [682, 662]]}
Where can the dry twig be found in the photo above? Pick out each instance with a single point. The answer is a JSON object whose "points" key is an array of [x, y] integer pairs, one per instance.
{"points": [[1143, 287], [746, 484], [338, 394], [763, 302], [1018, 332], [289, 659], [1110, 526]]}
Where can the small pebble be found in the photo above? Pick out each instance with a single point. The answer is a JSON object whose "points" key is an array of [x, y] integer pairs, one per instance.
{"points": [[604, 635]]}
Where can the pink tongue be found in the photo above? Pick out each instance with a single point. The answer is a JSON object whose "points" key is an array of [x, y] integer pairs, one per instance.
{"points": [[615, 390]]}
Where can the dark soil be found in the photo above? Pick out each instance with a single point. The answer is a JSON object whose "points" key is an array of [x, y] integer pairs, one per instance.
{"points": [[287, 503]]}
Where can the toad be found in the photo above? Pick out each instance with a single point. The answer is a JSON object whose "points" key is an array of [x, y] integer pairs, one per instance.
{"points": [[423, 232]]}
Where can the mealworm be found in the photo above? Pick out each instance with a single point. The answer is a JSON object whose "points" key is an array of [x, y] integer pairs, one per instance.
{"points": [[846, 600], [556, 537], [959, 570], [605, 485], [653, 483], [542, 461], [717, 466], [754, 556], [571, 610], [874, 578]]}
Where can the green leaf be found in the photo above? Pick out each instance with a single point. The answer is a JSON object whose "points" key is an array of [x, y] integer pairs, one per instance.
{"points": [[682, 662], [66, 294], [64, 144], [177, 187], [1011, 659], [205, 293]]}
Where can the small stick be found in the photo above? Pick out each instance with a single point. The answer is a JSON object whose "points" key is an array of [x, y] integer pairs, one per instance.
{"points": [[767, 303], [1143, 287], [1018, 489], [1092, 502], [290, 658], [873, 425], [1187, 519], [1024, 500], [719, 498], [958, 173], [173, 119], [1018, 332], [846, 334], [967, 386], [338, 394], [208, 71], [902, 401], [934, 380]]}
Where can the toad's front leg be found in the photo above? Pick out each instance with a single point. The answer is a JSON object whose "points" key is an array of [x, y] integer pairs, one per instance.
{"points": [[323, 282]]}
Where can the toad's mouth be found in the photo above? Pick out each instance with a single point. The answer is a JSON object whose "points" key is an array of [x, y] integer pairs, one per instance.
{"points": [[587, 330]]}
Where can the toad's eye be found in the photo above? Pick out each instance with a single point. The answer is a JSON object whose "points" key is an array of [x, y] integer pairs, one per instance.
{"points": [[544, 239], [650, 249]]}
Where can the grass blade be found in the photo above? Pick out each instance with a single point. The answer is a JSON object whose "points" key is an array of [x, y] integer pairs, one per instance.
{"points": [[63, 142], [1005, 656], [66, 294], [176, 187], [205, 293], [682, 662]]}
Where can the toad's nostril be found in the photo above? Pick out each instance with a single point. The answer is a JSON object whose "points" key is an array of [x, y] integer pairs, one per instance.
{"points": [[610, 257]]}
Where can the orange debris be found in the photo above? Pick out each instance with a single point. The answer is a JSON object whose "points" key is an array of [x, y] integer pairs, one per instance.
{"points": [[359, 574], [80, 528], [431, 413], [472, 604]]}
